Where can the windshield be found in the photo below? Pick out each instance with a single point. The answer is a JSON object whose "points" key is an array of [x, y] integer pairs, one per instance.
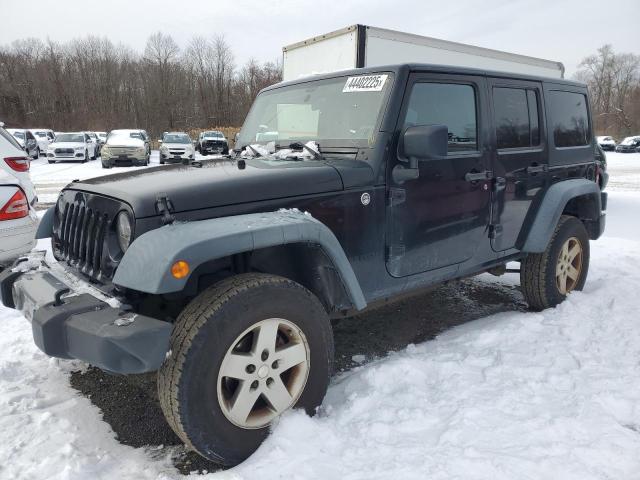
{"points": [[70, 137], [18, 134], [341, 111], [212, 134], [176, 138], [41, 134]]}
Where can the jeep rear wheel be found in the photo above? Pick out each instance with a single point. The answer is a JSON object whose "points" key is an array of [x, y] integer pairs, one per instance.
{"points": [[547, 278], [242, 353]]}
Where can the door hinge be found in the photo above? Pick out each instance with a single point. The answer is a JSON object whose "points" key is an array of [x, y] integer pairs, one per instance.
{"points": [[164, 207], [395, 251], [397, 196], [495, 230]]}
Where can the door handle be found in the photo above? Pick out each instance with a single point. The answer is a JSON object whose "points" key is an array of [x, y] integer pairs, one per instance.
{"points": [[473, 176], [537, 168]]}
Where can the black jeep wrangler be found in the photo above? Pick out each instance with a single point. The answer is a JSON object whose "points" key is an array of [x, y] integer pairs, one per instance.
{"points": [[346, 190]]}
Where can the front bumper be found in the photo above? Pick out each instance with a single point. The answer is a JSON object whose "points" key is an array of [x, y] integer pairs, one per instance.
{"points": [[123, 161], [69, 320]]}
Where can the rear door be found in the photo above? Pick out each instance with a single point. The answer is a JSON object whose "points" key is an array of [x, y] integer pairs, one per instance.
{"points": [[519, 157]]}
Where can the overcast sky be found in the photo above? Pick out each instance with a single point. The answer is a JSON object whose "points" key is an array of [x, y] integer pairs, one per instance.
{"points": [[561, 30]]}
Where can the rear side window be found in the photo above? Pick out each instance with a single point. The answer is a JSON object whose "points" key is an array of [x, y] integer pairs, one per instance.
{"points": [[569, 119], [453, 105], [516, 117]]}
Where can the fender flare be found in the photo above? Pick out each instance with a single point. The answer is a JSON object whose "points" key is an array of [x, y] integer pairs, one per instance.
{"points": [[45, 227], [146, 264], [551, 208]]}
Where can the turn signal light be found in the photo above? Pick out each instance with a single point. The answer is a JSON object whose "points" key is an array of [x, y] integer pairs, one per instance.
{"points": [[16, 207], [180, 269]]}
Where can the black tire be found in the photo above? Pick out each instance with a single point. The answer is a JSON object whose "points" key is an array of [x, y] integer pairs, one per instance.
{"points": [[37, 154], [538, 270], [52, 161], [161, 162], [205, 330], [95, 155], [86, 156]]}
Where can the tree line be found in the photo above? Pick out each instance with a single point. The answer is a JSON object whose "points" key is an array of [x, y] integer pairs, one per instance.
{"points": [[94, 84], [614, 89]]}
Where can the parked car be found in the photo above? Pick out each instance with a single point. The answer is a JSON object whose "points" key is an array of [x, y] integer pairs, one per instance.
{"points": [[125, 148], [379, 182], [93, 138], [18, 219], [629, 145], [176, 147], [102, 137], [75, 146], [606, 143], [602, 176], [26, 140], [43, 136], [212, 142]]}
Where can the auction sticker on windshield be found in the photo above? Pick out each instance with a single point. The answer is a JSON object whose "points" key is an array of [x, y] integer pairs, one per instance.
{"points": [[365, 83]]}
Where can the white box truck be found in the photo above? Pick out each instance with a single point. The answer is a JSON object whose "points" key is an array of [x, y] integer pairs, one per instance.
{"points": [[364, 46]]}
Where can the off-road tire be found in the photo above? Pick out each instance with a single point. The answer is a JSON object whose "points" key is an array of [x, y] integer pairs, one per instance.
{"points": [[538, 270], [202, 335], [37, 154]]}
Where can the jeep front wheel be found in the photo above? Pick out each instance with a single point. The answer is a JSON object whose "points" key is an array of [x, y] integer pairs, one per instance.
{"points": [[242, 353], [547, 278]]}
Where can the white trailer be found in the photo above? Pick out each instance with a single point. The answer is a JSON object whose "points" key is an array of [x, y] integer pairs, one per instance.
{"points": [[363, 46]]}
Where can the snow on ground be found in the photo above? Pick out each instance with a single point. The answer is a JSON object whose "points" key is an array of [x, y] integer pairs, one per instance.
{"points": [[515, 395]]}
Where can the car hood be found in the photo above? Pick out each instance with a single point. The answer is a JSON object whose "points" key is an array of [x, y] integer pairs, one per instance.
{"points": [[215, 184], [66, 145], [178, 145], [125, 142]]}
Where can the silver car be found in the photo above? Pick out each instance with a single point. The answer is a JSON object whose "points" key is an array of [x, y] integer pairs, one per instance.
{"points": [[126, 148], [176, 147]]}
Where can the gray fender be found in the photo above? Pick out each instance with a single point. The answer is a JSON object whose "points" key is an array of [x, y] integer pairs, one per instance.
{"points": [[45, 227], [551, 208], [147, 262]]}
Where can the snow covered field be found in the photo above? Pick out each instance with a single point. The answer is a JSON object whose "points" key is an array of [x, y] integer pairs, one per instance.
{"points": [[551, 395]]}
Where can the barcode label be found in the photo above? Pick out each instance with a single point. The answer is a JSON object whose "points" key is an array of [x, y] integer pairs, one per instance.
{"points": [[365, 83]]}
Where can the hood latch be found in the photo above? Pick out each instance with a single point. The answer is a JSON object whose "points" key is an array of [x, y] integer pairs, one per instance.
{"points": [[164, 207]]}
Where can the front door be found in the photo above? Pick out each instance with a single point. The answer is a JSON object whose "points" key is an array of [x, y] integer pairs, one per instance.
{"points": [[440, 218], [520, 159]]}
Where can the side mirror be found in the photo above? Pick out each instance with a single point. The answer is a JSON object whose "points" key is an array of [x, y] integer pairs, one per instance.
{"points": [[159, 142], [422, 142], [425, 142]]}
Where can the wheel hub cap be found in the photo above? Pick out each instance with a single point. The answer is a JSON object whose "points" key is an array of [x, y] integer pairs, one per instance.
{"points": [[569, 266], [263, 373]]}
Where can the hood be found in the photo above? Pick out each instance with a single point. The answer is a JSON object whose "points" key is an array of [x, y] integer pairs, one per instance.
{"points": [[66, 145], [123, 141], [217, 183], [178, 145]]}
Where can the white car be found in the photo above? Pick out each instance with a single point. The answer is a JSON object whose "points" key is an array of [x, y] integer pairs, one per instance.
{"points": [[176, 147], [76, 146], [606, 143], [26, 140], [44, 137], [18, 219]]}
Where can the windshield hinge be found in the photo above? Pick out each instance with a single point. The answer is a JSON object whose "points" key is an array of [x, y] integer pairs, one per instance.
{"points": [[164, 207]]}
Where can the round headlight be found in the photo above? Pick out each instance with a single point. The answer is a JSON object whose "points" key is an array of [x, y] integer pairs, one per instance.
{"points": [[123, 226]]}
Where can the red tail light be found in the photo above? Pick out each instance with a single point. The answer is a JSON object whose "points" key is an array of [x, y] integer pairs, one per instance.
{"points": [[19, 164], [16, 207]]}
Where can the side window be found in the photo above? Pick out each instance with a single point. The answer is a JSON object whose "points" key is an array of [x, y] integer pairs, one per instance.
{"points": [[450, 104], [516, 117], [569, 119]]}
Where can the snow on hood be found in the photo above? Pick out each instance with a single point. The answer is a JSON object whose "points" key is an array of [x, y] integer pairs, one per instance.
{"points": [[124, 141], [629, 140]]}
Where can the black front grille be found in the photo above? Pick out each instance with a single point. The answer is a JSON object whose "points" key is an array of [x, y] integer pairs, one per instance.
{"points": [[213, 143], [82, 228], [82, 238], [65, 151]]}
